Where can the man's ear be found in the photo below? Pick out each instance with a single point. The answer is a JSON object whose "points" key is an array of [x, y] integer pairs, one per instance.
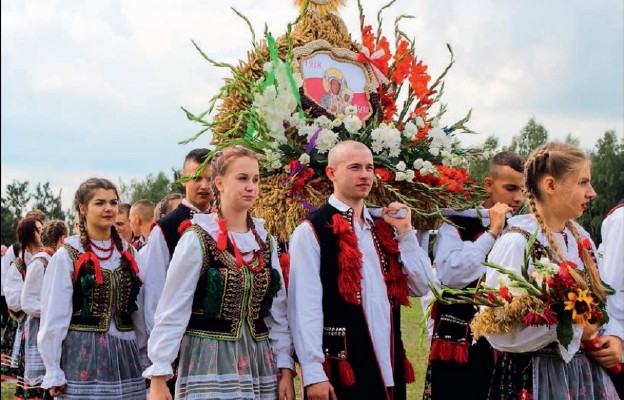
{"points": [[329, 171], [488, 184]]}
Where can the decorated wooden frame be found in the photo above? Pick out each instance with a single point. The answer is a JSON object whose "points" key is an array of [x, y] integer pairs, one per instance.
{"points": [[334, 79]]}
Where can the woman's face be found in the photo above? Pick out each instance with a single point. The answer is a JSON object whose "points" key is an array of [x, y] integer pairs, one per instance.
{"points": [[334, 85], [573, 194], [101, 211], [238, 187]]}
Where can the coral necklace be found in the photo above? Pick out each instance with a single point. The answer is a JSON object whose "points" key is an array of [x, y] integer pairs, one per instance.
{"points": [[108, 250]]}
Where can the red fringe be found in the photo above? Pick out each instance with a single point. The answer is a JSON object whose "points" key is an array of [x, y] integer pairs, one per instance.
{"points": [[128, 256], [184, 225], [410, 375], [396, 281], [85, 257], [223, 238], [327, 368], [347, 377], [284, 261], [349, 260], [443, 350]]}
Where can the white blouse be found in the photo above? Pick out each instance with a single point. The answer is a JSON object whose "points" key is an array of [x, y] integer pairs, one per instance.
{"points": [[174, 308], [31, 293], [305, 294], [509, 253], [56, 307], [14, 284]]}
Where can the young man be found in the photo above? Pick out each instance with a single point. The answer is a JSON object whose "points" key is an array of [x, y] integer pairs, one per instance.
{"points": [[458, 369], [141, 216], [349, 275], [122, 222]]}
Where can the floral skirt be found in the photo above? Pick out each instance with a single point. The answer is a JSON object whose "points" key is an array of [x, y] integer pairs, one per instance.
{"points": [[548, 377], [101, 366], [11, 346], [220, 369], [34, 369]]}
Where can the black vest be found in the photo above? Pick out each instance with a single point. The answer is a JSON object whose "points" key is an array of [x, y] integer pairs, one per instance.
{"points": [[469, 228], [345, 329], [170, 223]]}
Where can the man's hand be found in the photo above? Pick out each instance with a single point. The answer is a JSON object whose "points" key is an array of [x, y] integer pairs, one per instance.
{"points": [[610, 353], [56, 391], [497, 217], [321, 391], [401, 225]]}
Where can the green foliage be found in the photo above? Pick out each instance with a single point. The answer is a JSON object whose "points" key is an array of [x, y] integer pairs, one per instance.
{"points": [[478, 168], [531, 136], [19, 200], [152, 188], [607, 173]]}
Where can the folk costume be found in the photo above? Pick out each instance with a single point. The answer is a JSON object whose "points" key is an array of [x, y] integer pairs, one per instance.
{"points": [[459, 253], [611, 253], [31, 304], [531, 361], [223, 309], [89, 314], [347, 283], [13, 292]]}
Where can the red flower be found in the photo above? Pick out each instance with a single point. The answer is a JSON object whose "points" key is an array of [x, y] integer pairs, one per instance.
{"points": [[545, 317], [504, 293], [383, 174]]}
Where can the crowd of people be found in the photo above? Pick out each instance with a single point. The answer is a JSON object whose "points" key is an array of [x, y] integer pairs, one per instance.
{"points": [[191, 299]]}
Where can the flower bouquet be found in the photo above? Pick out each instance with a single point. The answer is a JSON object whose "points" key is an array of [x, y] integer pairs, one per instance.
{"points": [[300, 94], [548, 295]]}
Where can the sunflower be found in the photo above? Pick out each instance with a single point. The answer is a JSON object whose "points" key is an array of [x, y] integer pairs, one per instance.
{"points": [[580, 303]]}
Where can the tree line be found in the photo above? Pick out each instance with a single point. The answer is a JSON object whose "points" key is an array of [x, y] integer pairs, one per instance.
{"points": [[607, 171]]}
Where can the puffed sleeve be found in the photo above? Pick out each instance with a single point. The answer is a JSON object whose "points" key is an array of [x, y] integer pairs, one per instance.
{"points": [[56, 311], [175, 306], [13, 288], [508, 252], [277, 321], [31, 293]]}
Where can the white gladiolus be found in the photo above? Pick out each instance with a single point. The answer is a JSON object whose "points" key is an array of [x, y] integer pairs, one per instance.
{"points": [[420, 123], [418, 164], [352, 124], [304, 159], [401, 166]]}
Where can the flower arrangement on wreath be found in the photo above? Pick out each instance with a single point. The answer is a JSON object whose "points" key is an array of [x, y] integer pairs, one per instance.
{"points": [[546, 296], [418, 160]]}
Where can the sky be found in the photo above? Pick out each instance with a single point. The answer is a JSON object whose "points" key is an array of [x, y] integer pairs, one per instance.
{"points": [[94, 88]]}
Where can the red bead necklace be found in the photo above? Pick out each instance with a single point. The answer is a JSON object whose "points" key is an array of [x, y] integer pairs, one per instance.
{"points": [[108, 250]]}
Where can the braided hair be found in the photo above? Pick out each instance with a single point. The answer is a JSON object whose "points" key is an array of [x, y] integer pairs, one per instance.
{"points": [[218, 167], [559, 160], [52, 232]]}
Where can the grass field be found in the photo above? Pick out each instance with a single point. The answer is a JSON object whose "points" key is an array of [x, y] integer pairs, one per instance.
{"points": [[411, 318]]}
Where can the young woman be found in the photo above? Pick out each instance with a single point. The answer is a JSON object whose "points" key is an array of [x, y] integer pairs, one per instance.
{"points": [[532, 362], [89, 306], [52, 236], [29, 237], [223, 307]]}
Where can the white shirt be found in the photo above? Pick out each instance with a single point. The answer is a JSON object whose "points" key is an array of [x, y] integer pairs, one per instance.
{"points": [[611, 253], [155, 258], [508, 252], [175, 307], [6, 261], [305, 310], [14, 283], [56, 307], [33, 283]]}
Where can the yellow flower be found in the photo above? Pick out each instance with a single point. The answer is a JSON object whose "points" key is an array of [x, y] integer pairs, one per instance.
{"points": [[580, 303]]}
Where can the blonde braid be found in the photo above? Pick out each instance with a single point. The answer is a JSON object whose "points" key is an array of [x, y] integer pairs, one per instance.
{"points": [[590, 264]]}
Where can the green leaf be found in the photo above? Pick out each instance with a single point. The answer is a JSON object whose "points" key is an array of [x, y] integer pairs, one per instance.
{"points": [[564, 329]]}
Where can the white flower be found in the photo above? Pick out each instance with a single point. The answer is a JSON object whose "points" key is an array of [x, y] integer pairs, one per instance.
{"points": [[304, 159], [514, 289], [326, 140], [400, 176], [420, 123], [446, 162], [455, 161], [427, 165], [424, 171], [409, 175], [324, 122], [351, 110], [401, 166], [394, 151], [376, 147], [352, 124], [434, 151], [337, 121], [306, 130], [410, 130], [418, 164]]}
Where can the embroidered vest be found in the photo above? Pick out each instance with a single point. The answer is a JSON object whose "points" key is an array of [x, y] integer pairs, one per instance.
{"points": [[93, 303], [345, 330], [170, 224], [19, 316], [227, 296]]}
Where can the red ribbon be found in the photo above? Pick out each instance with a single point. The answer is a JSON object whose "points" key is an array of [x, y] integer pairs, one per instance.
{"points": [[128, 256], [373, 60], [223, 236], [89, 256]]}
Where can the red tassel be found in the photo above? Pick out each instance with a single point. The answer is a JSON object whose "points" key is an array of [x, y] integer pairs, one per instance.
{"points": [[89, 256], [460, 353], [349, 260], [340, 224], [284, 261], [128, 256], [327, 368], [410, 376], [441, 350], [184, 225], [222, 239], [347, 377]]}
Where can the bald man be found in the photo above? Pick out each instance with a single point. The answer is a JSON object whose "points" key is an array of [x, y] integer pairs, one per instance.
{"points": [[141, 217], [347, 282]]}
